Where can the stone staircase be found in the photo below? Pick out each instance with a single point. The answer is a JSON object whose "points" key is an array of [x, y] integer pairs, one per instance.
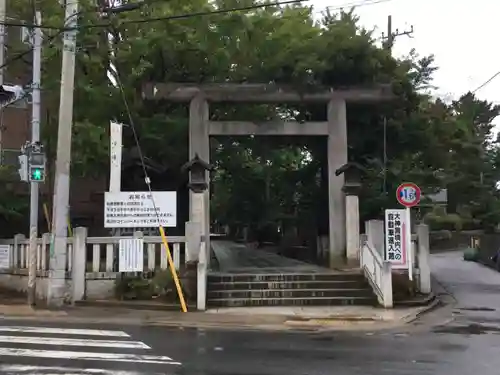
{"points": [[289, 289]]}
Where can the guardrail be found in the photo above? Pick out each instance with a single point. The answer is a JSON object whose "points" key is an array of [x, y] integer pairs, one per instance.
{"points": [[378, 272]]}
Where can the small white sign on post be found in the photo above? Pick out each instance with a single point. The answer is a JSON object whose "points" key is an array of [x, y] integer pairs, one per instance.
{"points": [[4, 257], [131, 255], [396, 243], [137, 210]]}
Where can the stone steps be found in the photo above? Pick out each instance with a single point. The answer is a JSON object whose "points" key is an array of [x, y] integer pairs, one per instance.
{"points": [[284, 285], [309, 301], [288, 293], [286, 277], [289, 289]]}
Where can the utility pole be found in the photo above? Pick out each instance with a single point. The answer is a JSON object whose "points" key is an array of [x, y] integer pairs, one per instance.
{"points": [[59, 241], [3, 17], [35, 139], [391, 36]]}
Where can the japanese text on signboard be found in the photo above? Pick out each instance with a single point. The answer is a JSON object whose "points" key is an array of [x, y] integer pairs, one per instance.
{"points": [[394, 236], [395, 247], [134, 209]]}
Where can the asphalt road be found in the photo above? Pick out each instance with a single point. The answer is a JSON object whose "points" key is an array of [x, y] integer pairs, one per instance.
{"points": [[461, 339]]}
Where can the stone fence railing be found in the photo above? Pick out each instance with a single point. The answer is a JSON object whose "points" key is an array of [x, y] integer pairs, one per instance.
{"points": [[90, 261]]}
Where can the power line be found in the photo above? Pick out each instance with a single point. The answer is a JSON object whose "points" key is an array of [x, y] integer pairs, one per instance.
{"points": [[155, 19], [487, 82], [357, 4], [26, 52], [147, 180], [196, 14]]}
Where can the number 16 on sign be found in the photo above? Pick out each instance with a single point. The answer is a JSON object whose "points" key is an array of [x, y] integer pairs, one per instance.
{"points": [[408, 195]]}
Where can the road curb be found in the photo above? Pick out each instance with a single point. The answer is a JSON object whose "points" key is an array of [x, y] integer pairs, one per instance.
{"points": [[157, 323], [292, 326], [435, 304]]}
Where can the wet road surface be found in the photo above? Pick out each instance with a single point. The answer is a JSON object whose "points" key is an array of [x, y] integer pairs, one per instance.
{"points": [[460, 339]]}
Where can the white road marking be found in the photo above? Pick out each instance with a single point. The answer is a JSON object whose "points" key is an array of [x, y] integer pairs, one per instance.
{"points": [[117, 357], [48, 370], [64, 331], [73, 342]]}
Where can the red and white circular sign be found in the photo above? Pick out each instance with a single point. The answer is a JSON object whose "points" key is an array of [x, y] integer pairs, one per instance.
{"points": [[408, 194]]}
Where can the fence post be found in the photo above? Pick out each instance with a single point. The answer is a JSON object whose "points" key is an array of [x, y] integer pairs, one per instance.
{"points": [[423, 259], [18, 239], [194, 252], [79, 263], [387, 285]]}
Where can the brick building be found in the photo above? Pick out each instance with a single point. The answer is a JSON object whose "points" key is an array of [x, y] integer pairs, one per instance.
{"points": [[86, 195]]}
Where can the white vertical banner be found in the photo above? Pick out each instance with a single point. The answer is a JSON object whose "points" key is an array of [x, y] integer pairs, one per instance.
{"points": [[397, 244], [131, 255], [115, 153]]}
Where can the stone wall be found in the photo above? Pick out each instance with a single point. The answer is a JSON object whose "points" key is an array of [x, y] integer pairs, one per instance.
{"points": [[98, 285], [446, 240], [489, 244]]}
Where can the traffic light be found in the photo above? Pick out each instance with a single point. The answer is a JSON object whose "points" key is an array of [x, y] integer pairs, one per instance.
{"points": [[37, 174], [23, 167], [36, 166]]}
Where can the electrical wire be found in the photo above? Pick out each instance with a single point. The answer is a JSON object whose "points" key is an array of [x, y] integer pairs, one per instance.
{"points": [[196, 14], [26, 52], [155, 19], [485, 83], [147, 180]]}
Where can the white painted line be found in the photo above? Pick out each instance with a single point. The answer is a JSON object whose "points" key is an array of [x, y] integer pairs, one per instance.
{"points": [[64, 331], [48, 370], [74, 342], [117, 357]]}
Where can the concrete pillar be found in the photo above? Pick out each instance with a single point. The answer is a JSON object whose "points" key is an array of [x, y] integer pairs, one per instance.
{"points": [[199, 143], [193, 239], [423, 259], [337, 156], [386, 286], [375, 234], [79, 263], [352, 227]]}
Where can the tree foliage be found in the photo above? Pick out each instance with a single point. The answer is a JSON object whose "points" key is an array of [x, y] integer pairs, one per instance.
{"points": [[278, 182]]}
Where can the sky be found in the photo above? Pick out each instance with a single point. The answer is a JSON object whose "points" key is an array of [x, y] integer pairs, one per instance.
{"points": [[457, 32]]}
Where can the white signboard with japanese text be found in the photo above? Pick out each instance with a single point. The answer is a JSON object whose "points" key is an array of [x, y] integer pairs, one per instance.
{"points": [[5, 256], [137, 210], [131, 255], [396, 243]]}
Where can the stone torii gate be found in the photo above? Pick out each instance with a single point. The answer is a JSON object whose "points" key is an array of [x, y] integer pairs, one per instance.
{"points": [[335, 128]]}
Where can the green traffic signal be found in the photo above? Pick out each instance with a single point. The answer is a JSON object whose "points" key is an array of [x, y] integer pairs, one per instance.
{"points": [[37, 174]]}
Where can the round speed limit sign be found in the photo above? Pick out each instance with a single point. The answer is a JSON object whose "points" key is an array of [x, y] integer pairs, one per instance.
{"points": [[408, 194]]}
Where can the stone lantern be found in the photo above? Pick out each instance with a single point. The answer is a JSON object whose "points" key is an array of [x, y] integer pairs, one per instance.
{"points": [[352, 176], [197, 229]]}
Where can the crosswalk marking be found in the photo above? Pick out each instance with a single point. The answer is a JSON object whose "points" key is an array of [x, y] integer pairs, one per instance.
{"points": [[74, 342], [65, 331], [30, 350], [89, 356], [37, 370]]}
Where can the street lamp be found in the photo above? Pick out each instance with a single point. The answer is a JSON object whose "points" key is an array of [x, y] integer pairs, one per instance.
{"points": [[197, 229], [352, 176], [197, 169]]}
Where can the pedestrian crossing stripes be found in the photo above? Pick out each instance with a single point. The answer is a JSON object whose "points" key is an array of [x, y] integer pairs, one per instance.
{"points": [[55, 370], [42, 350]]}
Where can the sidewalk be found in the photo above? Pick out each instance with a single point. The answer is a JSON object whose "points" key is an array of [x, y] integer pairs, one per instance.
{"points": [[256, 318]]}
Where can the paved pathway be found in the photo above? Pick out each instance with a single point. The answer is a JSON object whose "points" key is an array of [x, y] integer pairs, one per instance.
{"points": [[476, 288], [234, 257]]}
